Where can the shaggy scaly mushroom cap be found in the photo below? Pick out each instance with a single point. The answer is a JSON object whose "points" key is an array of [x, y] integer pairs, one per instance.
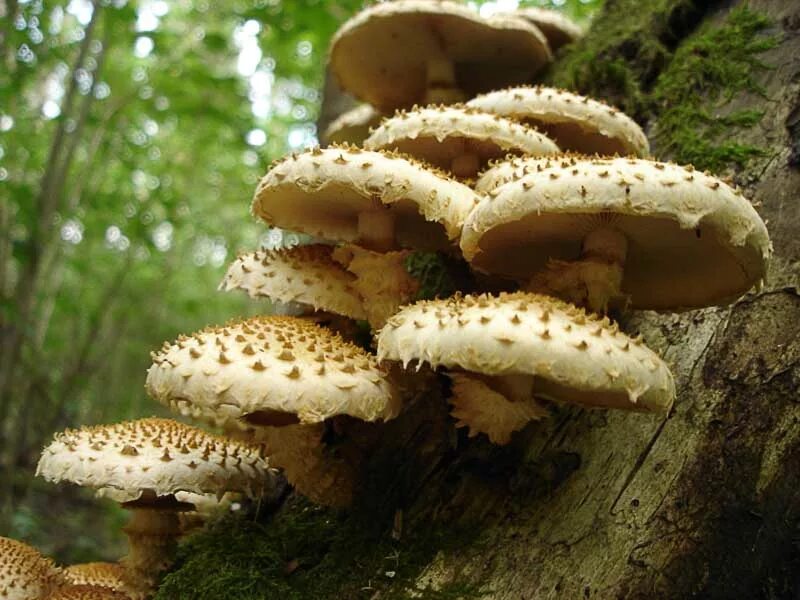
{"points": [[457, 139], [353, 126], [574, 122], [520, 345], [396, 54], [152, 456], [667, 237], [102, 574], [269, 371], [380, 200], [559, 29], [87, 592], [25, 574], [143, 463], [304, 275]]}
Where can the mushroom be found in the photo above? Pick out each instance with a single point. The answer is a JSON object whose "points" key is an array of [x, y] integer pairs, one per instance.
{"points": [[397, 54], [25, 574], [206, 508], [380, 201], [142, 464], [574, 122], [87, 592], [305, 275], [352, 127], [503, 351], [559, 29], [381, 280], [660, 236], [285, 377], [457, 139], [102, 574]]}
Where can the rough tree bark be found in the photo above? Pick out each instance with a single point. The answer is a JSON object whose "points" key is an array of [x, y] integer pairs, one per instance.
{"points": [[705, 502]]}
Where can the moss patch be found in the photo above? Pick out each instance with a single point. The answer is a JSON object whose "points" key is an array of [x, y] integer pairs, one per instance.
{"points": [[439, 275], [642, 66], [308, 552], [706, 73]]}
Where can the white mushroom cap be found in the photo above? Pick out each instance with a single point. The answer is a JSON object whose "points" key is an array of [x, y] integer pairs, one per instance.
{"points": [[352, 127], [575, 122], [554, 24], [322, 191], [103, 574], [303, 274], [380, 55], [153, 456], [86, 592], [269, 366], [693, 240], [25, 574], [500, 172], [439, 134], [574, 356]]}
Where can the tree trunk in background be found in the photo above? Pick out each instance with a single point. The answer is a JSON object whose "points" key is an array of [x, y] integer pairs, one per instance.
{"points": [[705, 502]]}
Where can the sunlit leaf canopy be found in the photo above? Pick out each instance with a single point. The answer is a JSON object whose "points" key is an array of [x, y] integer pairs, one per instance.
{"points": [[146, 125]]}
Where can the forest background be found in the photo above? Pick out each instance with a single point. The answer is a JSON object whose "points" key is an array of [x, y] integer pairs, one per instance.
{"points": [[132, 135]]}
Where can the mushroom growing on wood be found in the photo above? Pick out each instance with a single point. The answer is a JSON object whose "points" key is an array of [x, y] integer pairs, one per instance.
{"points": [[559, 29], [102, 574], [457, 139], [25, 574], [504, 351], [655, 235], [352, 127], [142, 464], [397, 54], [380, 201], [273, 373], [305, 275], [574, 122]]}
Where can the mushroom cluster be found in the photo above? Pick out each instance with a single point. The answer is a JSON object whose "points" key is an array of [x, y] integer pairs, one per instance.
{"points": [[454, 158]]}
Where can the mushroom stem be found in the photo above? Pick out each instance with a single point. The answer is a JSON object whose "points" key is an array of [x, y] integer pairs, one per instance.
{"points": [[152, 538], [381, 280], [465, 166], [594, 279], [300, 452], [376, 230], [497, 406], [605, 244], [441, 80]]}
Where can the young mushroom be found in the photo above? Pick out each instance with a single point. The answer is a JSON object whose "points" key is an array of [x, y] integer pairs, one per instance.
{"points": [[503, 352], [353, 126], [284, 377], [25, 574], [457, 139], [142, 464], [574, 122], [627, 231], [380, 201], [397, 54]]}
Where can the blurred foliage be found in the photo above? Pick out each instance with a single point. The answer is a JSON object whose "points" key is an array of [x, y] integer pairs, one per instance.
{"points": [[132, 134]]}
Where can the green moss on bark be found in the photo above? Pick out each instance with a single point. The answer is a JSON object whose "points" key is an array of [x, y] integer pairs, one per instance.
{"points": [[687, 87], [309, 552], [705, 75]]}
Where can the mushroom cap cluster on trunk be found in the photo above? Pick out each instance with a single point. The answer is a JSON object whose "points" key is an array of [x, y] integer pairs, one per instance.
{"points": [[604, 229]]}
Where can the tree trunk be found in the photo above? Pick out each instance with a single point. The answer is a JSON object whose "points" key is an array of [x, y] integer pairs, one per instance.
{"points": [[602, 504]]}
